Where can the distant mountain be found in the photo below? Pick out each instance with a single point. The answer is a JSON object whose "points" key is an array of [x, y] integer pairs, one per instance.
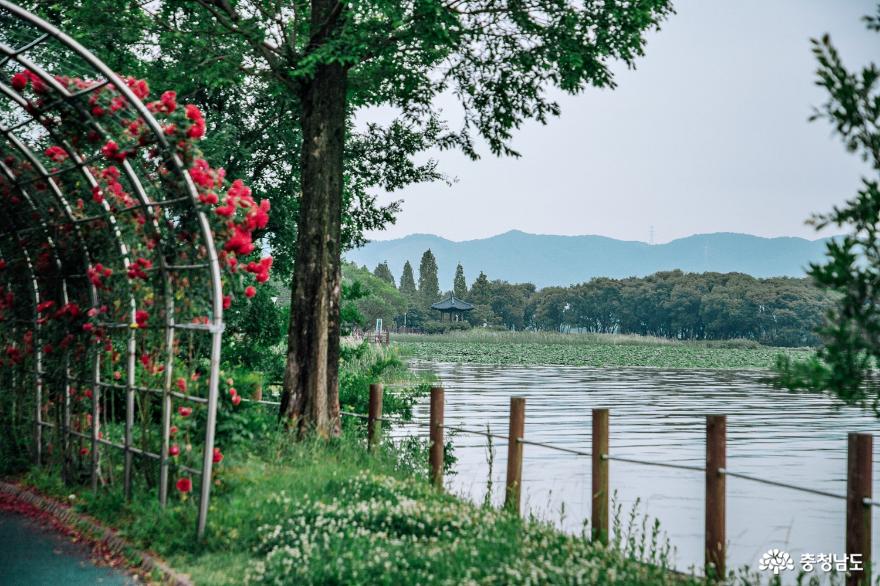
{"points": [[562, 260]]}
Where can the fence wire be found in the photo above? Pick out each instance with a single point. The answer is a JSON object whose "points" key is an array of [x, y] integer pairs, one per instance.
{"points": [[609, 457]]}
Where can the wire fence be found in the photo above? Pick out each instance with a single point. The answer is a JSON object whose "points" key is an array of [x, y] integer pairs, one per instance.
{"points": [[859, 502], [723, 471]]}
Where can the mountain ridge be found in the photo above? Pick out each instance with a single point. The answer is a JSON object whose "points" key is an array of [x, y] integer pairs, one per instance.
{"points": [[549, 259]]}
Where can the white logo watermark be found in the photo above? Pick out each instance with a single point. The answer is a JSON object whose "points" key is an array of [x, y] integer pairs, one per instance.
{"points": [[777, 561]]}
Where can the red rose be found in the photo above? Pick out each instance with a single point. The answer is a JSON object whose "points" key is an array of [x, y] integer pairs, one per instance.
{"points": [[240, 242], [141, 317], [19, 81], [209, 198], [250, 291], [169, 101], [138, 86], [112, 152], [260, 215], [174, 450], [185, 411], [184, 485], [225, 211], [218, 456], [181, 384], [37, 83], [236, 399], [56, 154], [193, 112], [260, 269], [202, 174], [232, 391], [117, 104], [197, 130]]}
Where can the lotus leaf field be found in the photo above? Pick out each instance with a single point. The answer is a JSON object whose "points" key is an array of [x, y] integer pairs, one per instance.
{"points": [[591, 350]]}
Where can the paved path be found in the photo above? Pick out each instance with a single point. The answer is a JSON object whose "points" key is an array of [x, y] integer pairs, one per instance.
{"points": [[33, 555]]}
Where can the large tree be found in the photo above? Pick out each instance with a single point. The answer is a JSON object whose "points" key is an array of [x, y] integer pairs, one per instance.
{"points": [[429, 284], [851, 334], [319, 61], [384, 272], [380, 299], [459, 285], [408, 282]]}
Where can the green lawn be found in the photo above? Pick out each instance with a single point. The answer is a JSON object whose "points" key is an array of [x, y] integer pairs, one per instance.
{"points": [[605, 350], [317, 513]]}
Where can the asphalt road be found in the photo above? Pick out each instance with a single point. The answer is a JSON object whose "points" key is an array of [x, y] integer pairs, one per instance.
{"points": [[31, 554]]}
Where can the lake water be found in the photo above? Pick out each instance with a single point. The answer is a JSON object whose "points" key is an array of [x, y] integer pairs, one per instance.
{"points": [[659, 415]]}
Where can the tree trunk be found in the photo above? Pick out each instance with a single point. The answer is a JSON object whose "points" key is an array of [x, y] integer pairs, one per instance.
{"points": [[310, 401], [334, 332]]}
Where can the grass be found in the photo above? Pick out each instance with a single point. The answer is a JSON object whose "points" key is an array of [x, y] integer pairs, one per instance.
{"points": [[596, 350], [330, 513]]}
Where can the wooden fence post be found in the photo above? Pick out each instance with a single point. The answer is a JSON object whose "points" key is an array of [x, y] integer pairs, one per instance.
{"points": [[436, 436], [858, 514], [716, 459], [374, 414], [600, 476], [514, 453]]}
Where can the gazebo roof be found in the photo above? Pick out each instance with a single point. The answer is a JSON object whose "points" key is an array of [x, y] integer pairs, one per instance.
{"points": [[452, 304]]}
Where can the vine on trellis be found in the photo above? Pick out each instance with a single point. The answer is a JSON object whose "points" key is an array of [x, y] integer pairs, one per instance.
{"points": [[100, 266]]}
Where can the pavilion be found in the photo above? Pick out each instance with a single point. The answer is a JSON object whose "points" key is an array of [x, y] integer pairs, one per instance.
{"points": [[454, 308]]}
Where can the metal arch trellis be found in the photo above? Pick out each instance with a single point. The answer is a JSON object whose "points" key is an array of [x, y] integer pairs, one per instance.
{"points": [[50, 197]]}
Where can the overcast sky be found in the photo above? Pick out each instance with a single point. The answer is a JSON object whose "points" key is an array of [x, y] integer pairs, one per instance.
{"points": [[708, 134]]}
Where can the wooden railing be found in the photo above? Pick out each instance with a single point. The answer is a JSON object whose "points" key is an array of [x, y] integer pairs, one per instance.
{"points": [[859, 501]]}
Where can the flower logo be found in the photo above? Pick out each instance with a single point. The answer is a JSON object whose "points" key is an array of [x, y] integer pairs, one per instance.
{"points": [[776, 560]]}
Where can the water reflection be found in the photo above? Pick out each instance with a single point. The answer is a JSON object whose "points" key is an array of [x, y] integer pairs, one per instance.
{"points": [[660, 415]]}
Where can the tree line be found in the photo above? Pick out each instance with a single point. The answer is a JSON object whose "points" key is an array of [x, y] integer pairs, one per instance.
{"points": [[779, 311]]}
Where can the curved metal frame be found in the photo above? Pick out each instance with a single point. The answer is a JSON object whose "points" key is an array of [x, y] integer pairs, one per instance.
{"points": [[149, 208]]}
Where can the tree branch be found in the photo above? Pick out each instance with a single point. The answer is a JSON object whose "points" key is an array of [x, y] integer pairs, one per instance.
{"points": [[228, 18]]}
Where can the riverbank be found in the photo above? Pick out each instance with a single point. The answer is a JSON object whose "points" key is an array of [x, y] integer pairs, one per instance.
{"points": [[594, 350], [330, 512]]}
